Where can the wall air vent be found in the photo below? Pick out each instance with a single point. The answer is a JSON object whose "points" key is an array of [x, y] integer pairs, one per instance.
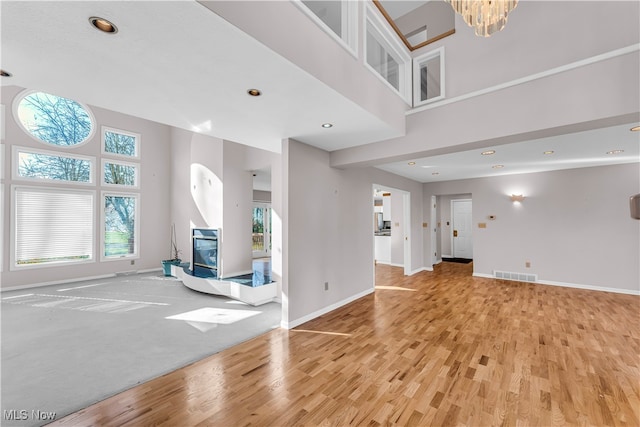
{"points": [[520, 277]]}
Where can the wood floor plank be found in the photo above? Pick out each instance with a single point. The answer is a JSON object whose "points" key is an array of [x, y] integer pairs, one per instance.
{"points": [[436, 348]]}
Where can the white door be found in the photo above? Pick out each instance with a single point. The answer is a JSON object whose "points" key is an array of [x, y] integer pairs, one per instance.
{"points": [[462, 228]]}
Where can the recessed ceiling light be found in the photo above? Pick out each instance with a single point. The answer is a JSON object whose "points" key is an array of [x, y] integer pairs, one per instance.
{"points": [[4, 73], [254, 92], [635, 129], [411, 163], [327, 125], [615, 151], [497, 166], [103, 25], [488, 152], [548, 152]]}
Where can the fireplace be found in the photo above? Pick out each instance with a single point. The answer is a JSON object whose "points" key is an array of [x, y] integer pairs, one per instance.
{"points": [[206, 252]]}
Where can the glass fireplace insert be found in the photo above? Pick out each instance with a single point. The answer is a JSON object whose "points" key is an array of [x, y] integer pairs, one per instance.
{"points": [[206, 252]]}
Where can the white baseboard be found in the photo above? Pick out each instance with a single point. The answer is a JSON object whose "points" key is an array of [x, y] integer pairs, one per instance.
{"points": [[396, 265], [590, 287], [572, 285], [290, 325], [149, 270], [57, 282], [420, 269], [383, 262]]}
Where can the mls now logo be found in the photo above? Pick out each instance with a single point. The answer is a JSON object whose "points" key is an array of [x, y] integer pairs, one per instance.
{"points": [[15, 414], [23, 414]]}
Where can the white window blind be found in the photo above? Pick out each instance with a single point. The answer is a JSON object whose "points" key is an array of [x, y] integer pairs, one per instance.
{"points": [[53, 225]]}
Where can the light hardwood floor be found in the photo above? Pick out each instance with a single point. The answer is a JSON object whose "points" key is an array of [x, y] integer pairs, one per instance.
{"points": [[437, 348]]}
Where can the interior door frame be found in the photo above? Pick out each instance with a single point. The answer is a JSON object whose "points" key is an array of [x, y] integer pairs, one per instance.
{"points": [[406, 225], [266, 227], [433, 231]]}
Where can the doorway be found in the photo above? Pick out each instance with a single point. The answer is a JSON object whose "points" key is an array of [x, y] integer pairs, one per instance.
{"points": [[461, 237], [392, 227], [261, 232]]}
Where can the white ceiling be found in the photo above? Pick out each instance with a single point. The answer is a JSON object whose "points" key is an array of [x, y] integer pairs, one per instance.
{"points": [[180, 64], [575, 150]]}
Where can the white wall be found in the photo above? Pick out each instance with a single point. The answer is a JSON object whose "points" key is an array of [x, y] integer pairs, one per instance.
{"points": [[326, 219], [236, 246], [155, 184], [196, 185], [397, 228], [573, 226], [262, 196]]}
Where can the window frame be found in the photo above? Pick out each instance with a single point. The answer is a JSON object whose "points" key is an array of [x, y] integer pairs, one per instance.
{"points": [[2, 122], [349, 24], [2, 227], [135, 135], [27, 92], [2, 162], [103, 231], [417, 64], [388, 39], [15, 160], [13, 265], [136, 166]]}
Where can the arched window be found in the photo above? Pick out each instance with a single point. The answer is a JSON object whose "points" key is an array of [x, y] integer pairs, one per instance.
{"points": [[54, 120]]}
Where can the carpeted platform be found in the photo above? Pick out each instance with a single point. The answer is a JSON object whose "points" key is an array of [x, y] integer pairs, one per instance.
{"points": [[66, 347]]}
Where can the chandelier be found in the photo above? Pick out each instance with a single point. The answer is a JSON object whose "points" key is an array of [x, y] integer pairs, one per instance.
{"points": [[485, 16]]}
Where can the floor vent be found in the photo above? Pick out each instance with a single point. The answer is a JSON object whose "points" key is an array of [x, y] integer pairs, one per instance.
{"points": [[521, 277]]}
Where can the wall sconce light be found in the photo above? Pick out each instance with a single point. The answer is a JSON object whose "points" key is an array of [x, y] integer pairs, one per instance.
{"points": [[634, 204], [517, 197]]}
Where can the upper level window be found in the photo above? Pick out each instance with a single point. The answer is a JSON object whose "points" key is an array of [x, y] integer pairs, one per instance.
{"points": [[386, 55], [121, 143], [53, 119], [382, 62], [337, 18], [428, 77]]}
